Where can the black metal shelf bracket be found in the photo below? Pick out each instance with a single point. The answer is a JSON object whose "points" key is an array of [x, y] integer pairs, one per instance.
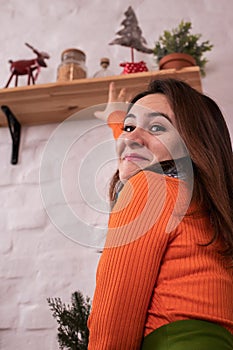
{"points": [[15, 128]]}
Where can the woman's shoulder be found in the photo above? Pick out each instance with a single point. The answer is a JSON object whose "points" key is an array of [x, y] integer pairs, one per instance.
{"points": [[147, 200], [158, 192], [147, 178], [150, 189]]}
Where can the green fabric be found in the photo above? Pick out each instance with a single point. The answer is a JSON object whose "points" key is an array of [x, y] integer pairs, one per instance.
{"points": [[189, 335]]}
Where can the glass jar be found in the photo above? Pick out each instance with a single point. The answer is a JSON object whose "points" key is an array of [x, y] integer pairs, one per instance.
{"points": [[72, 65]]}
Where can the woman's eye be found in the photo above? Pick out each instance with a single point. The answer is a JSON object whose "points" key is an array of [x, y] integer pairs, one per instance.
{"points": [[129, 128], [156, 128]]}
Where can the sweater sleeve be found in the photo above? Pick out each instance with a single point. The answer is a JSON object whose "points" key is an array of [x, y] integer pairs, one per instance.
{"points": [[115, 122], [130, 263]]}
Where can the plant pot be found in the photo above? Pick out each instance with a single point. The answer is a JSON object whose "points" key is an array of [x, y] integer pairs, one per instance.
{"points": [[177, 61]]}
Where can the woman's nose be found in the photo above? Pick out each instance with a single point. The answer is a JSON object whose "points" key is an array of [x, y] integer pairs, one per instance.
{"points": [[135, 137]]}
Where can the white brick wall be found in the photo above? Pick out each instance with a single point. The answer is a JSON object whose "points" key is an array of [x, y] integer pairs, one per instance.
{"points": [[37, 261]]}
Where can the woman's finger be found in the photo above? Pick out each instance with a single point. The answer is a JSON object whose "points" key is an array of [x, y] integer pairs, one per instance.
{"points": [[122, 95], [112, 95]]}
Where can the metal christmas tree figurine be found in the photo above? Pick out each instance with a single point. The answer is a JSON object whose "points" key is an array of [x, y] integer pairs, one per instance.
{"points": [[131, 36]]}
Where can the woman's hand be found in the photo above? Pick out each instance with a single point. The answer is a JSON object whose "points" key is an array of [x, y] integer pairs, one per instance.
{"points": [[116, 102]]}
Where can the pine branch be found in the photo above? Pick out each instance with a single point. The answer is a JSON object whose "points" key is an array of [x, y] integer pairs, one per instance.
{"points": [[72, 321]]}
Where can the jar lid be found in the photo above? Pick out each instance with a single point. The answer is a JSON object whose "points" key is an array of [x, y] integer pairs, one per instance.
{"points": [[73, 51], [104, 60]]}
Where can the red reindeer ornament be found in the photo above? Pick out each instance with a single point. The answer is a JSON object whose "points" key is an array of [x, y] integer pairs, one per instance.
{"points": [[27, 67]]}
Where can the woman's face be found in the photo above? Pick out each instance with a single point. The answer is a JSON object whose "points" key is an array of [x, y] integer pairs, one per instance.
{"points": [[150, 136]]}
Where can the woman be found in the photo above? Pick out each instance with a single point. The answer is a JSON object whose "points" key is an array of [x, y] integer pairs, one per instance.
{"points": [[165, 278]]}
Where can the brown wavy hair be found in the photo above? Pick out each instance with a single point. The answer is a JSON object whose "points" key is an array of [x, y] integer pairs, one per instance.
{"points": [[202, 127]]}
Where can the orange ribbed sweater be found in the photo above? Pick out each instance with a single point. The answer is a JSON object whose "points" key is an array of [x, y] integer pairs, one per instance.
{"points": [[147, 277], [153, 270]]}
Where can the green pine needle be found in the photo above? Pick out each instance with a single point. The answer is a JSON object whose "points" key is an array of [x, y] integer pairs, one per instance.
{"points": [[72, 321]]}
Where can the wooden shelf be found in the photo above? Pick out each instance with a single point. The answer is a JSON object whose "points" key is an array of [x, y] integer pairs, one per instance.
{"points": [[52, 103]]}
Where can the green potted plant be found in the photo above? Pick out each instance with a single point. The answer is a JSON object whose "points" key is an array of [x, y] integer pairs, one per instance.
{"points": [[180, 41], [72, 321]]}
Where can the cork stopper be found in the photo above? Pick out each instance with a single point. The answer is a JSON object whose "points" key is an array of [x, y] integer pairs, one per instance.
{"points": [[104, 62]]}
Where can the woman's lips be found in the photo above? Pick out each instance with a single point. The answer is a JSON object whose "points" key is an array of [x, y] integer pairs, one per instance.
{"points": [[134, 157]]}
